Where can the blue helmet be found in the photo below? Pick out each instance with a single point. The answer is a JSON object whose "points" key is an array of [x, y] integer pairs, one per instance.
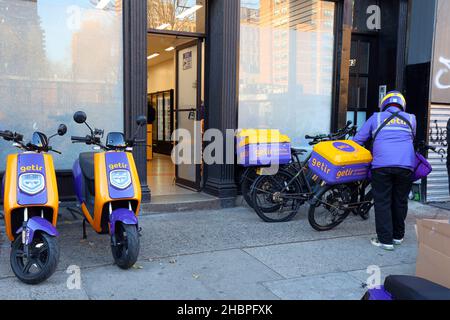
{"points": [[393, 99]]}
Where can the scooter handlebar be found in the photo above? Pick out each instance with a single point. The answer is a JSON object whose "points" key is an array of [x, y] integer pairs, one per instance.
{"points": [[11, 136], [80, 139]]}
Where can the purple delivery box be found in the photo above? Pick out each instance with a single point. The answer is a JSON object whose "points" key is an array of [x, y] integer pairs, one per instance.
{"points": [[262, 148]]}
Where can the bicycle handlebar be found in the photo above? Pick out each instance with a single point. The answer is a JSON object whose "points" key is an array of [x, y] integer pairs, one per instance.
{"points": [[341, 134]]}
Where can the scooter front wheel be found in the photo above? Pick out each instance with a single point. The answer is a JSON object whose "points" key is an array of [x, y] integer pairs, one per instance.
{"points": [[39, 263], [125, 251]]}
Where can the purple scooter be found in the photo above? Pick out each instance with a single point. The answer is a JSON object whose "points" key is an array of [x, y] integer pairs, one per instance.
{"points": [[408, 288], [108, 189]]}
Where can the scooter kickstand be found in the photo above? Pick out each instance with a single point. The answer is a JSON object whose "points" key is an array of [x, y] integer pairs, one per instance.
{"points": [[84, 229]]}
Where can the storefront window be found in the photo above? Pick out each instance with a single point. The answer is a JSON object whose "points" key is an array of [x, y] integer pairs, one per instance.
{"points": [[57, 57], [177, 15], [286, 66]]}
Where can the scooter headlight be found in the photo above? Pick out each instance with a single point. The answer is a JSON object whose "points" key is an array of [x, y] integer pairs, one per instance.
{"points": [[31, 183], [121, 179]]}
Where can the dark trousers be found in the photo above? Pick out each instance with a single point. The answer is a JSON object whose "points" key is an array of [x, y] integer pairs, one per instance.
{"points": [[390, 188]]}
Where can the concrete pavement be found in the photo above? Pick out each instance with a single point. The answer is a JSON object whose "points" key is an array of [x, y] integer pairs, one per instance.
{"points": [[222, 254]]}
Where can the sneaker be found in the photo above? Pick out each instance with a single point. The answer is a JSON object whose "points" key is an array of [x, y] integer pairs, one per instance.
{"points": [[376, 243], [398, 242]]}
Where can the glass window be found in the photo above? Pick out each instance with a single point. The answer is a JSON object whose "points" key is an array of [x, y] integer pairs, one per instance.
{"points": [[286, 66], [57, 57], [177, 15]]}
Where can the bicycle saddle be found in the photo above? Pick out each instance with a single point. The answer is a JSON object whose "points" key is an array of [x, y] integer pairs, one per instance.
{"points": [[414, 288]]}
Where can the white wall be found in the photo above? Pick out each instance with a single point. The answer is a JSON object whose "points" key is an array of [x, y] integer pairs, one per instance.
{"points": [[161, 77]]}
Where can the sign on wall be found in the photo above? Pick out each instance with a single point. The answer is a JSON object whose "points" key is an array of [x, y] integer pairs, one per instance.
{"points": [[441, 59]]}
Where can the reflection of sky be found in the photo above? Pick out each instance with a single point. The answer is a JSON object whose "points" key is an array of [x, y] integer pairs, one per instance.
{"points": [[54, 21], [190, 3], [253, 4]]}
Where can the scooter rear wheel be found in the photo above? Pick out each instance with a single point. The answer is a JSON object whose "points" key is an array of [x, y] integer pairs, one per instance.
{"points": [[126, 250], [42, 260]]}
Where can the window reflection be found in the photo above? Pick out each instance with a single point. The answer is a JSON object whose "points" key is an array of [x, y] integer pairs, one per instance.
{"points": [[286, 66], [57, 57], [177, 15]]}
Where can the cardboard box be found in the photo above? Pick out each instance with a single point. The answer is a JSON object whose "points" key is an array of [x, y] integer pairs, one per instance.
{"points": [[433, 259]]}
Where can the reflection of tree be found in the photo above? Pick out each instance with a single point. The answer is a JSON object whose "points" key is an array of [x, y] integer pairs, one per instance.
{"points": [[161, 12]]}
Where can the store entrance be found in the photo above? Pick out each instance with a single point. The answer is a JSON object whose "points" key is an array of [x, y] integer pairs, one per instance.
{"points": [[174, 100]]}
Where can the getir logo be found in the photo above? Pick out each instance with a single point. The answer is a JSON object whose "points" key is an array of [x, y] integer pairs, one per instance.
{"points": [[321, 165], [34, 167], [344, 173], [396, 121], [326, 169], [118, 166]]}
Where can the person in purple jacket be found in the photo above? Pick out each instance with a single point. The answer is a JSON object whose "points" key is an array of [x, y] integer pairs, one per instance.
{"points": [[392, 167]]}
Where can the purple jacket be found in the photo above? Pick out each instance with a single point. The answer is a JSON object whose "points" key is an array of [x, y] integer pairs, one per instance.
{"points": [[394, 145]]}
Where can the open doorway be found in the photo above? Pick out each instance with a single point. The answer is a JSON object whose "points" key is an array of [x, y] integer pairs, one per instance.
{"points": [[174, 95]]}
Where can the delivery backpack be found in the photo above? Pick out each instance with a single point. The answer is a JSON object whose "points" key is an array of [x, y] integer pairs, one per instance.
{"points": [[423, 167]]}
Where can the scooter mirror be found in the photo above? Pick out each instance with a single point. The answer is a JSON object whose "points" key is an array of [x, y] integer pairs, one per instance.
{"points": [[141, 121], [80, 117], [62, 130]]}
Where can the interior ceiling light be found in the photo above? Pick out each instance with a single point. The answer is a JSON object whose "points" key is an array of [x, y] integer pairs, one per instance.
{"points": [[153, 56], [189, 11], [163, 26], [102, 4], [170, 49]]}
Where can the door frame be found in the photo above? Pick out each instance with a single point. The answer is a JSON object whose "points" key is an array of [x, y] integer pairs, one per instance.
{"points": [[196, 185]]}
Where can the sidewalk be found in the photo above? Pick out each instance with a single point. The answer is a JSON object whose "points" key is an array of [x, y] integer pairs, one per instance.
{"points": [[223, 254]]}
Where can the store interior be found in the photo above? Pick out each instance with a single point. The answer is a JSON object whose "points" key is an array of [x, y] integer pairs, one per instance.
{"points": [[161, 94]]}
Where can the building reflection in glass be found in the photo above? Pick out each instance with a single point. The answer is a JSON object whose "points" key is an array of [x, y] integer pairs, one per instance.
{"points": [[57, 57], [286, 66]]}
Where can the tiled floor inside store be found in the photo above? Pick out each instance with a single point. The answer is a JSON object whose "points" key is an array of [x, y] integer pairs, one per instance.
{"points": [[161, 177]]}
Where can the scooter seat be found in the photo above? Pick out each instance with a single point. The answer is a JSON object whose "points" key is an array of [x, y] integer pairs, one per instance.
{"points": [[87, 168], [414, 288]]}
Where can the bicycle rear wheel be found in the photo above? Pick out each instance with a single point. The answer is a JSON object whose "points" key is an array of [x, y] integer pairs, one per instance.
{"points": [[329, 210], [275, 197]]}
